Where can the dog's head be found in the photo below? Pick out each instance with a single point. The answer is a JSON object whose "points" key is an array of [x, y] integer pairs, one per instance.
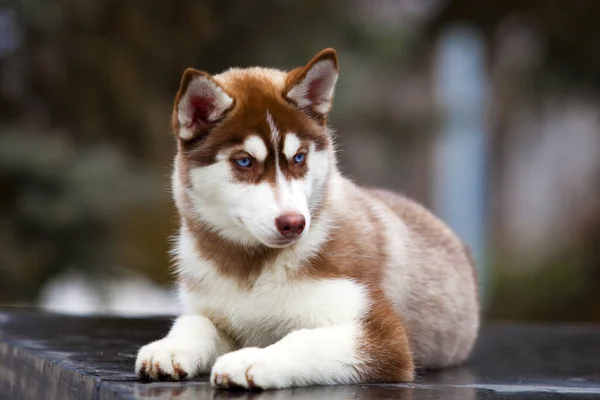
{"points": [[254, 152]]}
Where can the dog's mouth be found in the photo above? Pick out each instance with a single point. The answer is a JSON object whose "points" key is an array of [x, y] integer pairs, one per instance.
{"points": [[280, 242]]}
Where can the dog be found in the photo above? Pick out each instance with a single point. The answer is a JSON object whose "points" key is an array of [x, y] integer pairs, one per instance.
{"points": [[289, 274]]}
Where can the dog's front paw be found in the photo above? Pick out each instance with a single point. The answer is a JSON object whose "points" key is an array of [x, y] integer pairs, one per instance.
{"points": [[168, 359], [249, 368]]}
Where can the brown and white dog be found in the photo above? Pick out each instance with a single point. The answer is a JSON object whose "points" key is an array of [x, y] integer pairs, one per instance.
{"points": [[289, 273]]}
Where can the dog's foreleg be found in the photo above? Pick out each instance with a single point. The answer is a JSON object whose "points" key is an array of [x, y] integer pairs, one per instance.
{"points": [[322, 356], [191, 347]]}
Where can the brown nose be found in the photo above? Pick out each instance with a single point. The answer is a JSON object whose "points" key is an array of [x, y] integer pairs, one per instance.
{"points": [[290, 225]]}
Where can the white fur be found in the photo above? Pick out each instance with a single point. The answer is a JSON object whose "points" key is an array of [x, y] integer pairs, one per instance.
{"points": [[192, 345], [397, 238], [250, 313], [324, 356], [246, 213], [292, 196], [255, 146], [319, 169], [275, 138], [310, 327], [291, 144], [200, 86], [326, 72], [177, 189]]}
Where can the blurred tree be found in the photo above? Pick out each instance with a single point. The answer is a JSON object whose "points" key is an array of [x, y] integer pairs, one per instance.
{"points": [[570, 30], [85, 103], [86, 120], [566, 287]]}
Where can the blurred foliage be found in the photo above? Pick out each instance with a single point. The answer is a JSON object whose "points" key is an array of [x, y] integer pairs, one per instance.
{"points": [[566, 285], [85, 147], [570, 30], [564, 288], [61, 201]]}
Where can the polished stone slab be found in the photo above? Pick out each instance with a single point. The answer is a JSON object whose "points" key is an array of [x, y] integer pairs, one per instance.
{"points": [[50, 356]]}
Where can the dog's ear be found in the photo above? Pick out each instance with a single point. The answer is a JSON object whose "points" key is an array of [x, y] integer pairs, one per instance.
{"points": [[311, 87], [200, 103]]}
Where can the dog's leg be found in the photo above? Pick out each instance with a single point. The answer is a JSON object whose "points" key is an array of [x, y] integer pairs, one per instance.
{"points": [[191, 347], [321, 356]]}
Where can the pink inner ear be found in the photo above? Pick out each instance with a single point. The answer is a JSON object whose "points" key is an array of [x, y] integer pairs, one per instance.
{"points": [[203, 107], [315, 89]]}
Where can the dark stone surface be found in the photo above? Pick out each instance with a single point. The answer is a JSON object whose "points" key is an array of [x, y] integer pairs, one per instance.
{"points": [[49, 356]]}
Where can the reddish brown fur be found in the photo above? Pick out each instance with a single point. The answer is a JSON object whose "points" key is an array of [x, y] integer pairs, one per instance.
{"points": [[252, 99]]}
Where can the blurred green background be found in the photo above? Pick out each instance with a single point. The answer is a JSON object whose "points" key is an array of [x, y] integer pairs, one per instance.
{"points": [[86, 90]]}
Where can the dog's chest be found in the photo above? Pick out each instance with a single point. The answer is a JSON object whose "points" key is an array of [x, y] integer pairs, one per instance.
{"points": [[276, 306]]}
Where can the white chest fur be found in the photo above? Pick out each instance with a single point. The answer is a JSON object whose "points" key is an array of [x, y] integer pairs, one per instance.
{"points": [[273, 307]]}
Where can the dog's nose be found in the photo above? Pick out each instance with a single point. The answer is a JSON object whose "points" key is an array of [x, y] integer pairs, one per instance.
{"points": [[290, 225]]}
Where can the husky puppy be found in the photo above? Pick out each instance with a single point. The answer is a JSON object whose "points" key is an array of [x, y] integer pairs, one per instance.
{"points": [[288, 273]]}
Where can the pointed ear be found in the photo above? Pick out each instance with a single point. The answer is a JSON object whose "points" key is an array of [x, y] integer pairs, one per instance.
{"points": [[200, 103], [311, 87]]}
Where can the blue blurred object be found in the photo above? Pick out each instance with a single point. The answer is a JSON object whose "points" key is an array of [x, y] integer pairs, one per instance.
{"points": [[10, 35], [461, 149]]}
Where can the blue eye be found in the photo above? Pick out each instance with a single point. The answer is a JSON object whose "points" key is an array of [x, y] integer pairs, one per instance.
{"points": [[298, 158], [243, 162]]}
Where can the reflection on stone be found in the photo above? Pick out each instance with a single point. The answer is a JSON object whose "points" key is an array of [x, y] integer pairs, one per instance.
{"points": [[49, 356]]}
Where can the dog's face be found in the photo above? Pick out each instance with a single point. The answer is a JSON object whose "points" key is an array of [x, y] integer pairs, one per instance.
{"points": [[254, 153]]}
